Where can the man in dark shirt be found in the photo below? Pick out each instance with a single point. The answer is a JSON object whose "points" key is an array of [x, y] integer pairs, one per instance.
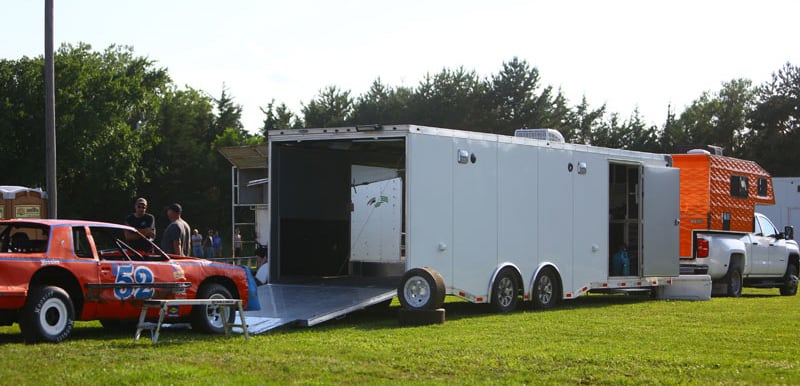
{"points": [[176, 237], [144, 222]]}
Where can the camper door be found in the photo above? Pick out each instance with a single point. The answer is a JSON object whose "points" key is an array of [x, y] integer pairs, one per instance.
{"points": [[660, 214]]}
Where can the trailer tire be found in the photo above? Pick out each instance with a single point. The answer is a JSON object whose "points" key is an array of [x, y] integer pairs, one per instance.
{"points": [[48, 316], [209, 319], [546, 289], [505, 291], [421, 289], [789, 287], [733, 281]]}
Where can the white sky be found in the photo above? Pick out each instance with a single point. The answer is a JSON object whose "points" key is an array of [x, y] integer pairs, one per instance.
{"points": [[624, 53]]}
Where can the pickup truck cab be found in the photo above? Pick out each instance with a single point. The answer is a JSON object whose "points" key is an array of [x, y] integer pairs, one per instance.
{"points": [[763, 258], [53, 272]]}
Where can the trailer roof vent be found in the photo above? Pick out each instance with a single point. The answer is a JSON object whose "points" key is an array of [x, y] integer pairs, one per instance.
{"points": [[551, 135]]}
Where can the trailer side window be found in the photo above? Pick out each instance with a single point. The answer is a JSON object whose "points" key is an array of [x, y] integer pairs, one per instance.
{"points": [[738, 186], [762, 187]]}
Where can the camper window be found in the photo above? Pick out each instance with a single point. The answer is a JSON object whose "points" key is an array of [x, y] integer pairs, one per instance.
{"points": [[738, 186], [762, 187]]}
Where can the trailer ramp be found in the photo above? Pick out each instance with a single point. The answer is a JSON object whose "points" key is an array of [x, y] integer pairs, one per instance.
{"points": [[307, 303]]}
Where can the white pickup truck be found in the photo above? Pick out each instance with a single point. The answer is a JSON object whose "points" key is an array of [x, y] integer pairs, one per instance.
{"points": [[764, 258]]}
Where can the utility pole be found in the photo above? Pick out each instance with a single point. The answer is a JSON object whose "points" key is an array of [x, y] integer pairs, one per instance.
{"points": [[50, 111]]}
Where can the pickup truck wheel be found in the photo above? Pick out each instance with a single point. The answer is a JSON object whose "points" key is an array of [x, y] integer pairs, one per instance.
{"points": [[48, 315], [546, 290], [734, 282], [789, 287], [421, 289], [209, 319], [505, 292]]}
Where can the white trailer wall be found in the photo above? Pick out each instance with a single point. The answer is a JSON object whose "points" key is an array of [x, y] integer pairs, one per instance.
{"points": [[786, 210]]}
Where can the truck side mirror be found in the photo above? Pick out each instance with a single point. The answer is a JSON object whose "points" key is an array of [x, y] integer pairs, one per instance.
{"points": [[788, 232]]}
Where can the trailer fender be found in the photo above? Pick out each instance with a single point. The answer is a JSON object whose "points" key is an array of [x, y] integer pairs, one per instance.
{"points": [[528, 293], [497, 271]]}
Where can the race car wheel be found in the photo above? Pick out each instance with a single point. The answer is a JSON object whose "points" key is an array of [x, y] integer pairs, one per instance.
{"points": [[209, 319], [48, 315], [421, 289]]}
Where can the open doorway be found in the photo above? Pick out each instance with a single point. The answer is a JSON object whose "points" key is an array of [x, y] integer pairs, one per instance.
{"points": [[315, 188], [624, 219]]}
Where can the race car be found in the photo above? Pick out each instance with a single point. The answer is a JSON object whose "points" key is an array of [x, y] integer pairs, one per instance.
{"points": [[53, 272]]}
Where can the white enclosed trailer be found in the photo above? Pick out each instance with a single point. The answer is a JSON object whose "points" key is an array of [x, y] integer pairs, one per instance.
{"points": [[484, 217], [786, 210]]}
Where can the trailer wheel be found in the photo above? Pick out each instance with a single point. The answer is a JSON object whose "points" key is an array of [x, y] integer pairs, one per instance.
{"points": [[546, 289], [48, 315], [505, 291], [789, 287], [734, 282], [209, 319], [421, 289]]}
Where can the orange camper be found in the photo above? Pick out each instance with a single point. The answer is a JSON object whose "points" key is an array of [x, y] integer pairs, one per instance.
{"points": [[719, 193]]}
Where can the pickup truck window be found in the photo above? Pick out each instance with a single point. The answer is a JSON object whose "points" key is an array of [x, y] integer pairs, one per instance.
{"points": [[765, 227]]}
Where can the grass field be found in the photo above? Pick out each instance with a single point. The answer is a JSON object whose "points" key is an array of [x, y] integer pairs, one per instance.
{"points": [[596, 339]]}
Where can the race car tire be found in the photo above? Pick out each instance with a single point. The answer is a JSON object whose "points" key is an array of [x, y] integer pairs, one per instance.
{"points": [[48, 315], [209, 319]]}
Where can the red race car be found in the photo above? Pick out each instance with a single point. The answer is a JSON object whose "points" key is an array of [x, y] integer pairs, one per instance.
{"points": [[53, 272]]}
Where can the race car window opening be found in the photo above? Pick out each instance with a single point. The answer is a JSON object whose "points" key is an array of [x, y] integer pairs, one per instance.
{"points": [[24, 238], [80, 242], [111, 245]]}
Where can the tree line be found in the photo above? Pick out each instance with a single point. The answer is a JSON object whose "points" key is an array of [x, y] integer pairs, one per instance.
{"points": [[125, 129]]}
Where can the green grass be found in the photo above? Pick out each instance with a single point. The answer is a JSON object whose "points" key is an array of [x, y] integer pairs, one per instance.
{"points": [[596, 339]]}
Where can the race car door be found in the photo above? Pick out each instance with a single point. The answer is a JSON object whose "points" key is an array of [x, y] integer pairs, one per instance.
{"points": [[127, 277]]}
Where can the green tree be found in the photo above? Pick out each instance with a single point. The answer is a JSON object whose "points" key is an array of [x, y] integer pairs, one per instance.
{"points": [[775, 123], [718, 119], [279, 118], [105, 104], [331, 108]]}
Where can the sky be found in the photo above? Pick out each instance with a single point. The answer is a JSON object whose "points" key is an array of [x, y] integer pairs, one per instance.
{"points": [[644, 55]]}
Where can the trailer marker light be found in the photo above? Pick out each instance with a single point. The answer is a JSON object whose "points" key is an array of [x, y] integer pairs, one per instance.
{"points": [[479, 299], [462, 294], [569, 295], [638, 284], [526, 297], [669, 281], [605, 284], [623, 284], [584, 289]]}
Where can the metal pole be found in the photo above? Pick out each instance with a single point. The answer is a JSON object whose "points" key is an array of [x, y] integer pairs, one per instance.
{"points": [[50, 110]]}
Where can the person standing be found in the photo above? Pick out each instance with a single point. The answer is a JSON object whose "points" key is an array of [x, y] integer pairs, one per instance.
{"points": [[144, 222], [208, 243], [217, 244], [237, 243], [176, 237], [197, 244]]}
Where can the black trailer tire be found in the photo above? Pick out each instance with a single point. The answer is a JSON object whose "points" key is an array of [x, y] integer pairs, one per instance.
{"points": [[546, 290], [209, 319], [733, 282], [408, 317], [421, 289], [789, 287], [505, 291], [48, 315]]}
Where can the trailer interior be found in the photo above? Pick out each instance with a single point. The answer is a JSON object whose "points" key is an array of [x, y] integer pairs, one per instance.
{"points": [[317, 188]]}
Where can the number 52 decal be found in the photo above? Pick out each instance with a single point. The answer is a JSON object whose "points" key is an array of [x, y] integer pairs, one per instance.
{"points": [[128, 274]]}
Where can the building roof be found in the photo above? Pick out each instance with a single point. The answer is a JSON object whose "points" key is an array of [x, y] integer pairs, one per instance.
{"points": [[246, 157]]}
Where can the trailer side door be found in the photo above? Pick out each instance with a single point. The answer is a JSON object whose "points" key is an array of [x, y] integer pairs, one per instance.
{"points": [[660, 214]]}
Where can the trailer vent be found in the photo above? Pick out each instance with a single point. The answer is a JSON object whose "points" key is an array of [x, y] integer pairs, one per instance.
{"points": [[550, 135]]}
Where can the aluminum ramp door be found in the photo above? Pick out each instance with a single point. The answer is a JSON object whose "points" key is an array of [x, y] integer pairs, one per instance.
{"points": [[312, 303]]}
